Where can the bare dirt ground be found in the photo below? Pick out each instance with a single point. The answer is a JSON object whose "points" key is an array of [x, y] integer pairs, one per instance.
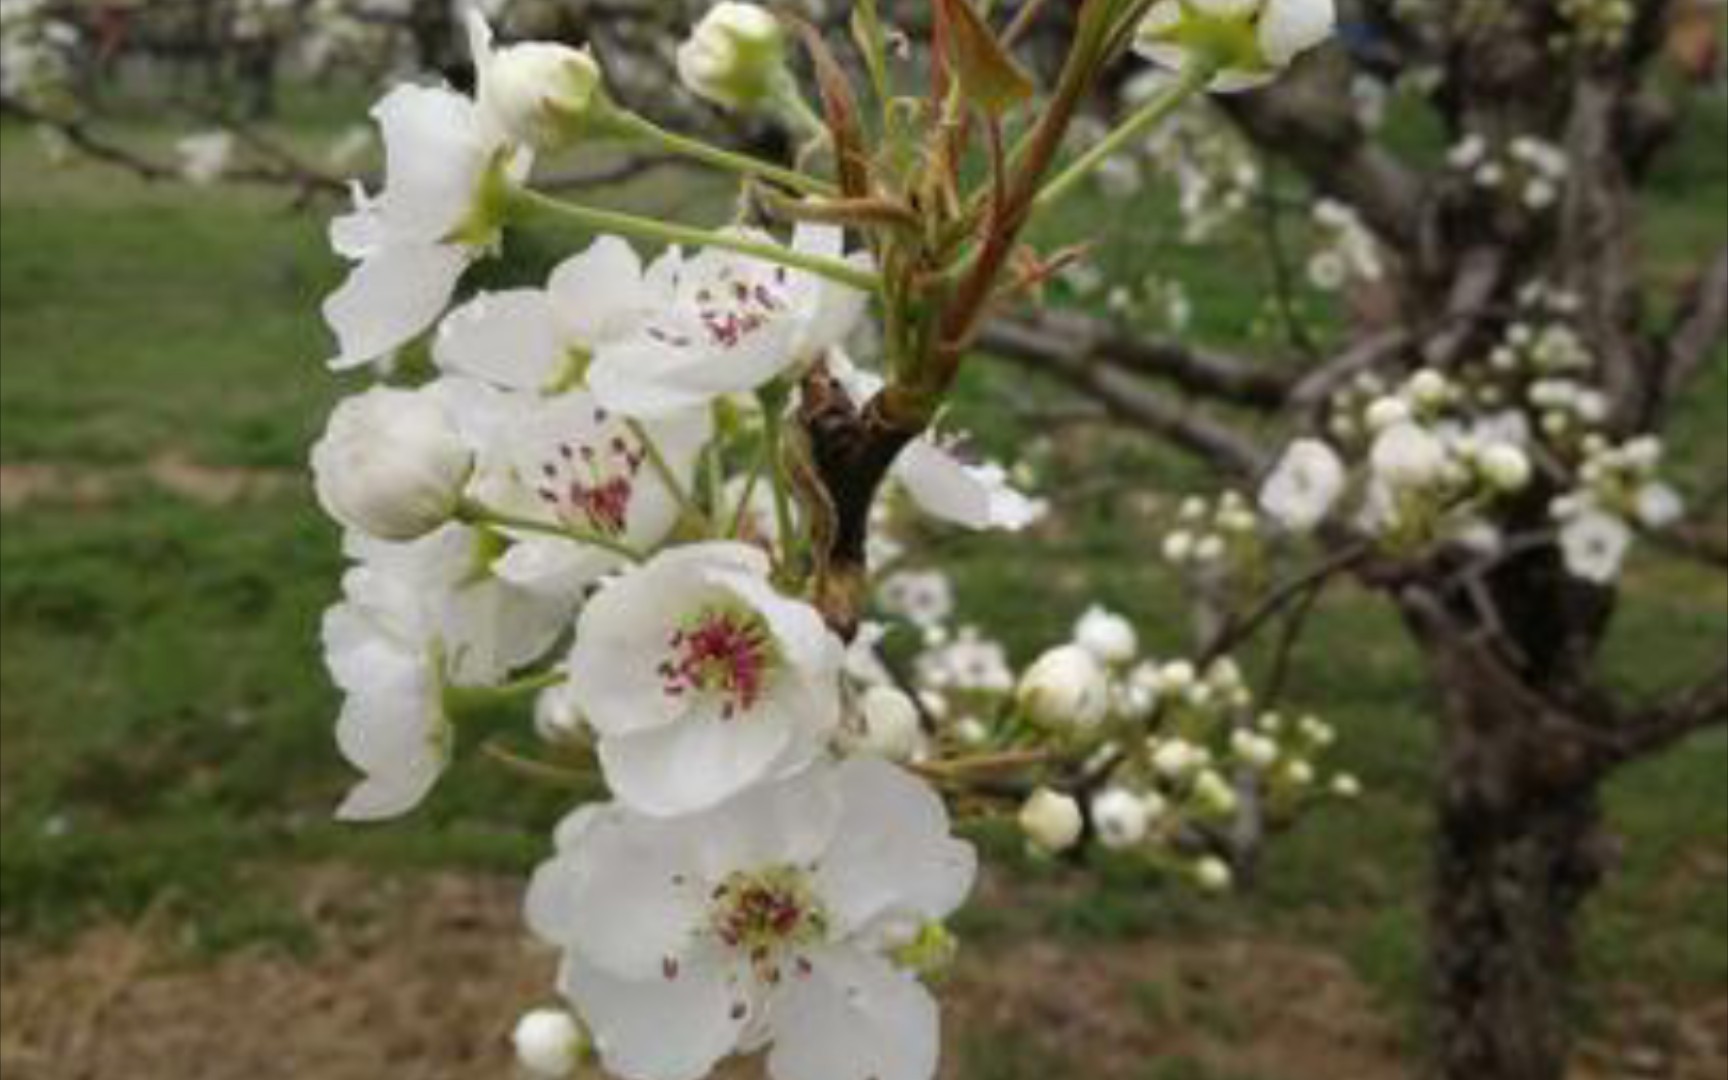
{"points": [[420, 978], [173, 471]]}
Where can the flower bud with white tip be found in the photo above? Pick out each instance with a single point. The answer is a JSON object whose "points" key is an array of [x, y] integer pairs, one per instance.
{"points": [[1504, 466], [1213, 874], [1051, 820], [1248, 41], [735, 57], [891, 724], [1120, 818], [1065, 687], [549, 1044], [391, 464], [538, 93]]}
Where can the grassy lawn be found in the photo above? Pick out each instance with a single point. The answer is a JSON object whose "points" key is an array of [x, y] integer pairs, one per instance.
{"points": [[165, 722]]}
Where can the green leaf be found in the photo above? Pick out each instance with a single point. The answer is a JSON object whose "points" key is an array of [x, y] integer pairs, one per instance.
{"points": [[989, 76]]}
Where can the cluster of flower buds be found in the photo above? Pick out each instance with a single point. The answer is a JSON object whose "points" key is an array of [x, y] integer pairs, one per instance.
{"points": [[1209, 533], [1617, 490], [1165, 750], [1346, 250], [1525, 169]]}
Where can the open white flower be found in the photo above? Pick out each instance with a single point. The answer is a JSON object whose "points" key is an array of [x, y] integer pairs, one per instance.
{"points": [[412, 241], [701, 680], [1253, 39], [205, 156], [1407, 456], [391, 463], [1593, 544], [1120, 817], [761, 922], [414, 618], [1303, 487], [730, 324]]}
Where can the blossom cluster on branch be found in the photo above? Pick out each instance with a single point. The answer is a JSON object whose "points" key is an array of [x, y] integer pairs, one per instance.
{"points": [[641, 494]]}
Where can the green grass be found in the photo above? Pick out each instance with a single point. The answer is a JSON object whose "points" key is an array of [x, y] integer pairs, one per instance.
{"points": [[166, 722]]}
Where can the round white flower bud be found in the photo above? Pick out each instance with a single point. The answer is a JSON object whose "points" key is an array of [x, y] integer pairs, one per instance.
{"points": [[1299, 773], [1345, 786], [1213, 874], [891, 726], [391, 464], [1064, 687], [1384, 412], [537, 92], [735, 57], [1428, 388], [971, 731], [1209, 548], [1178, 546], [1505, 466], [1051, 820], [1106, 635], [548, 1043], [1176, 677], [1214, 793], [1120, 818], [1316, 730]]}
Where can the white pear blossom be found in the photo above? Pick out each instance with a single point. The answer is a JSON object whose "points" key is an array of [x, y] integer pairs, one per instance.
{"points": [[1106, 635], [967, 662], [1593, 544], [391, 463], [1213, 874], [536, 93], [701, 680], [1304, 485], [1255, 39], [1065, 687], [923, 597], [1657, 506], [730, 324], [548, 1043], [1051, 820], [565, 461], [735, 57], [414, 618], [411, 241], [763, 922], [1407, 456]]}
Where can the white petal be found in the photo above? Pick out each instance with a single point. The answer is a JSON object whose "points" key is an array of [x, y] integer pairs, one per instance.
{"points": [[657, 1028], [1288, 27], [507, 338], [696, 762], [395, 736], [893, 855], [789, 823], [648, 377], [976, 497], [599, 295], [389, 299], [854, 1017]]}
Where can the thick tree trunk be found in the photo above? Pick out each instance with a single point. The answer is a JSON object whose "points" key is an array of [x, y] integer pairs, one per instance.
{"points": [[1508, 882]]}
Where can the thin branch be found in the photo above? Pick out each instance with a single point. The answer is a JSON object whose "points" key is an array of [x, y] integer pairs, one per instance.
{"points": [[1701, 705], [1698, 329]]}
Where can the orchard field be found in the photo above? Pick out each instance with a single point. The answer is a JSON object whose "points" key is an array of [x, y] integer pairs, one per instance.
{"points": [[175, 900]]}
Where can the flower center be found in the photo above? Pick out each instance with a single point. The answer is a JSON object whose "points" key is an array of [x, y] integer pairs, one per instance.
{"points": [[768, 914], [721, 651], [737, 304], [588, 483]]}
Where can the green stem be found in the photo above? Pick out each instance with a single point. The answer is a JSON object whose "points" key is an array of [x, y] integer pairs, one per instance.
{"points": [[631, 125], [773, 401], [479, 514], [1195, 76], [658, 460], [525, 204]]}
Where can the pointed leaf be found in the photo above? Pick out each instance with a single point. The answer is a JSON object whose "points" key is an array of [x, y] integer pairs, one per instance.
{"points": [[989, 77]]}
